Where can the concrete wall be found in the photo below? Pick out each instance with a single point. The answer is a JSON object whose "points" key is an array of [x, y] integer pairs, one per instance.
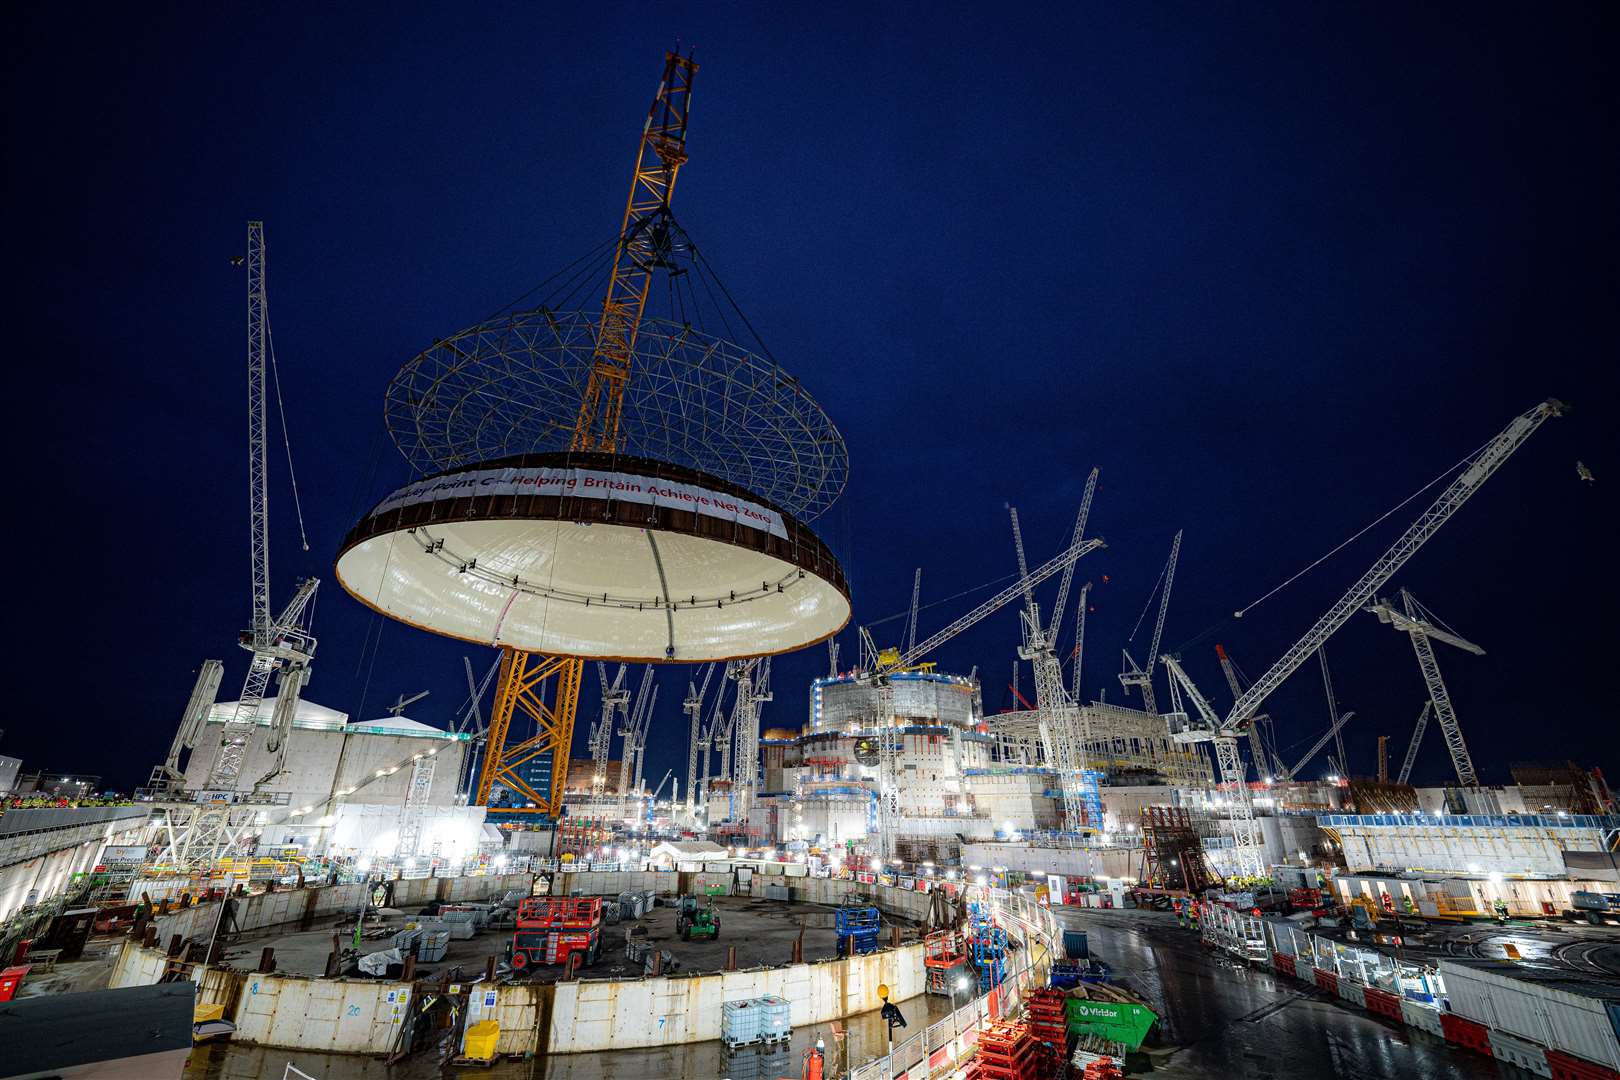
{"points": [[320, 763], [41, 849], [264, 910], [358, 1016], [587, 1015]]}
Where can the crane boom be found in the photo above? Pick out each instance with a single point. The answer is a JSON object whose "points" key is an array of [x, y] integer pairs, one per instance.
{"points": [[1316, 747], [1135, 676], [1412, 747], [996, 602], [1068, 574], [643, 246], [1473, 476], [1257, 749], [916, 596], [1420, 630]]}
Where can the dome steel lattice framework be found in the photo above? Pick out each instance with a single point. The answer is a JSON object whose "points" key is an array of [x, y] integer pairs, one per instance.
{"points": [[512, 385]]}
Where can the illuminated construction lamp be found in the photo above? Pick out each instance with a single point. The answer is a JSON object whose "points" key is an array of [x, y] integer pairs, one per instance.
{"points": [[597, 556]]}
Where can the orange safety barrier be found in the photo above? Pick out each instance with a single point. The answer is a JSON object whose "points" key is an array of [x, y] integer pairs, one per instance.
{"points": [[1569, 1067], [1466, 1032]]}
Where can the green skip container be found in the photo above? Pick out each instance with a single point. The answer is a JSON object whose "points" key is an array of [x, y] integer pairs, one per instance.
{"points": [[1116, 1021]]}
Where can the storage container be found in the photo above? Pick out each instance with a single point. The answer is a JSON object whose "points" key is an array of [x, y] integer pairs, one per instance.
{"points": [[479, 1042], [776, 1022], [740, 1022]]}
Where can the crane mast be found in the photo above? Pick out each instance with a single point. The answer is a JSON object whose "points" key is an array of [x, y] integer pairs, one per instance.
{"points": [[630, 732], [1133, 675], [1473, 476], [693, 707], [1410, 619], [614, 699], [644, 245], [876, 669], [1248, 848], [1060, 721], [1257, 750], [282, 647], [753, 678]]}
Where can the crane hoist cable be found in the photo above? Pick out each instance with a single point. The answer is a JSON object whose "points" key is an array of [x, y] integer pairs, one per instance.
{"points": [[1470, 456], [286, 440]]}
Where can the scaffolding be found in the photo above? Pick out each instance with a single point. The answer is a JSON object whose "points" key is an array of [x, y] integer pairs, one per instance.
{"points": [[1172, 852]]}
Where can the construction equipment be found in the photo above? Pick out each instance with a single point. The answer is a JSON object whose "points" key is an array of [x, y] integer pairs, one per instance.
{"points": [[1340, 766], [1133, 675], [697, 918], [282, 646], [1264, 764], [858, 928], [614, 700], [1245, 832], [1478, 469], [753, 679], [1414, 619], [1061, 721], [877, 665], [660, 154], [634, 733], [693, 708], [1412, 747], [552, 929]]}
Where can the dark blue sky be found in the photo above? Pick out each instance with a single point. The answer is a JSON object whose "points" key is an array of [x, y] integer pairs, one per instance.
{"points": [[1270, 267]]}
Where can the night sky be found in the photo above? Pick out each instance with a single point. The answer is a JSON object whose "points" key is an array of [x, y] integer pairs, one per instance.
{"points": [[1271, 268]]}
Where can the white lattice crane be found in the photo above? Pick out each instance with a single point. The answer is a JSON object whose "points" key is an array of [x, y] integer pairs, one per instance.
{"points": [[1470, 479], [1257, 750], [1412, 747], [1060, 720], [1416, 621], [753, 679], [615, 699], [693, 707], [282, 646], [877, 667], [1249, 848], [1134, 675], [633, 731]]}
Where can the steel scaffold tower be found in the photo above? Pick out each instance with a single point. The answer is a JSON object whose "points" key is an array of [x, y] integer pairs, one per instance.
{"points": [[643, 246]]}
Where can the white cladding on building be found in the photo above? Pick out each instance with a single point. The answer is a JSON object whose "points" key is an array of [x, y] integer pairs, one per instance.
{"points": [[1528, 845], [368, 785], [829, 786]]}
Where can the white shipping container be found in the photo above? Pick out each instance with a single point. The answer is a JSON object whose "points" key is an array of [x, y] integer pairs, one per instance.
{"points": [[1550, 1011]]}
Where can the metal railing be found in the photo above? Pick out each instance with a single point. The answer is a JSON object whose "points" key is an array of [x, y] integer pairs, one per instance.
{"points": [[1036, 929]]}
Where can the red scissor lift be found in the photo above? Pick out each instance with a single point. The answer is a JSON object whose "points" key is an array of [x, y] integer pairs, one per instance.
{"points": [[945, 961], [551, 929]]}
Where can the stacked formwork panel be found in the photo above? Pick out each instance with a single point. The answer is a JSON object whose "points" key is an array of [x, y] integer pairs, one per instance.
{"points": [[1007, 1051]]}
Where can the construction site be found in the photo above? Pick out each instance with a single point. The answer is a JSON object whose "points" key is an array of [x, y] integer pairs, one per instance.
{"points": [[615, 501]]}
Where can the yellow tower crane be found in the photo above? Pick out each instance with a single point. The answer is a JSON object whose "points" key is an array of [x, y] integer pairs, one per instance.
{"points": [[642, 248]]}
